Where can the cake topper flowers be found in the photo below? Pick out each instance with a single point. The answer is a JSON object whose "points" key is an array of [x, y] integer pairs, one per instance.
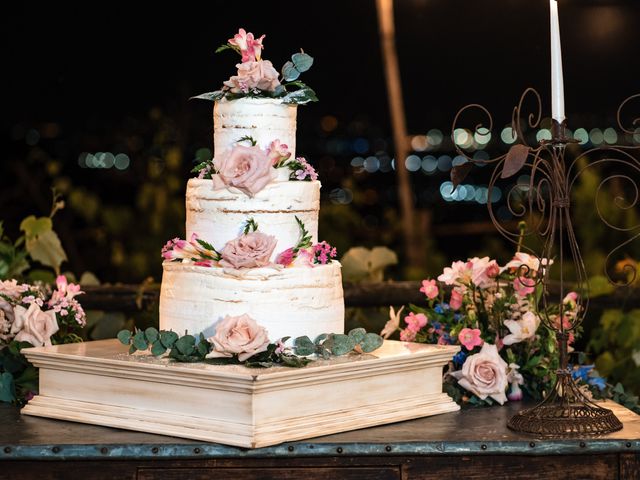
{"points": [[257, 78]]}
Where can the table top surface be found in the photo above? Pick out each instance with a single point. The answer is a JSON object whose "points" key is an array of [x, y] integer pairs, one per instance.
{"points": [[469, 431]]}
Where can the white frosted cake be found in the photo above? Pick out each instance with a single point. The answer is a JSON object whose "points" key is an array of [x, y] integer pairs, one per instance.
{"points": [[252, 229]]}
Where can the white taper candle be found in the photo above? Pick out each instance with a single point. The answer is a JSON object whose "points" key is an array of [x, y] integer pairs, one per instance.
{"points": [[557, 82]]}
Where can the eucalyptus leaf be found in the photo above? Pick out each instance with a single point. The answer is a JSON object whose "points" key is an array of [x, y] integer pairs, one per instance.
{"points": [[168, 338], [342, 344], [371, 342], [302, 61], [151, 334], [132, 349], [139, 341], [357, 334], [157, 348], [185, 345], [304, 346], [124, 336], [290, 72]]}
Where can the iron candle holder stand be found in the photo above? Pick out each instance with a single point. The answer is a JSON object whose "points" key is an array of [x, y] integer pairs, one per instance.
{"points": [[565, 411]]}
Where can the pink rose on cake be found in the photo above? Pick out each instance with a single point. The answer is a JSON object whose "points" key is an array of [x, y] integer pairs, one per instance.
{"points": [[33, 325], [258, 75], [240, 336], [252, 250], [484, 374], [249, 169]]}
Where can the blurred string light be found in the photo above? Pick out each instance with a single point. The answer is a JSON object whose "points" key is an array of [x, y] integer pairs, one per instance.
{"points": [[596, 136], [413, 163], [543, 134], [610, 136], [435, 137], [429, 164], [419, 143], [582, 136], [104, 160], [341, 196], [469, 193], [508, 136], [482, 136], [328, 123]]}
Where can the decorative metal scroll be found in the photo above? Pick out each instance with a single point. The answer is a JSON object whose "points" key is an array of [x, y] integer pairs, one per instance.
{"points": [[546, 202]]}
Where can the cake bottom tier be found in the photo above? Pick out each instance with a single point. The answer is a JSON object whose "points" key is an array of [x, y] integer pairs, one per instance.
{"points": [[291, 302]]}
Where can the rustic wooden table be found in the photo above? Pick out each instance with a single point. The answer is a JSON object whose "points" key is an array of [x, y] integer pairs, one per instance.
{"points": [[470, 444]]}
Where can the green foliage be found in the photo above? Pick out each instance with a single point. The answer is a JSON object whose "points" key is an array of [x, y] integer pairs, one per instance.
{"points": [[301, 96], [299, 63], [42, 243], [13, 256], [616, 344], [336, 344], [18, 377], [247, 138], [305, 237], [250, 226], [210, 96]]}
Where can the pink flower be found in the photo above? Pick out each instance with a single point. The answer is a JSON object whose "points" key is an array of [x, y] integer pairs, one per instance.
{"points": [[470, 338], [246, 168], [415, 322], [323, 253], [456, 299], [430, 289], [278, 152], [285, 258], [205, 263], [484, 374], [280, 348], [304, 258], [65, 289], [306, 171], [250, 47], [33, 325], [254, 75], [524, 286], [248, 251], [526, 264], [240, 336], [13, 289], [458, 273], [407, 335]]}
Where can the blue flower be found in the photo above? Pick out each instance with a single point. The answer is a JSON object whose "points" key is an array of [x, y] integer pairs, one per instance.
{"points": [[581, 372], [459, 358], [437, 325], [599, 382], [438, 309], [457, 317]]}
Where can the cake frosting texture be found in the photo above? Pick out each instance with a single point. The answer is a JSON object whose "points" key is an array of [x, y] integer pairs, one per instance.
{"points": [[289, 302]]}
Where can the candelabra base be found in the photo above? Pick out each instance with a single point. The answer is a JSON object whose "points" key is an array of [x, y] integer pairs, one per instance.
{"points": [[565, 412]]}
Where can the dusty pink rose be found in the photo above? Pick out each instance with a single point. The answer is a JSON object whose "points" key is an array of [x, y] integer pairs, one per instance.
{"points": [[470, 338], [248, 251], [484, 374], [246, 168], [240, 336], [524, 286], [33, 325], [285, 258], [13, 289], [253, 75], [430, 289], [456, 299]]}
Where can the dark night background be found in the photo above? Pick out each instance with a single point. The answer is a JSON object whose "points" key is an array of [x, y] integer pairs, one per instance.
{"points": [[107, 77]]}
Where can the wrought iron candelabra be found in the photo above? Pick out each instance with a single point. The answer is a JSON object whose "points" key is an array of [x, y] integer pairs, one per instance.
{"points": [[565, 411]]}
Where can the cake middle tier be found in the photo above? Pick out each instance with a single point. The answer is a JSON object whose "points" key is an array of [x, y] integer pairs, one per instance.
{"points": [[293, 301], [219, 216]]}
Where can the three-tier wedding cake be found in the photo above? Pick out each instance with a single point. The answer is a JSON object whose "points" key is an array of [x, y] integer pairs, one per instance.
{"points": [[252, 216]]}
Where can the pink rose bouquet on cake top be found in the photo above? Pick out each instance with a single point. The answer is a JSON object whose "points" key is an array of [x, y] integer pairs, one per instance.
{"points": [[34, 315], [257, 77], [491, 312]]}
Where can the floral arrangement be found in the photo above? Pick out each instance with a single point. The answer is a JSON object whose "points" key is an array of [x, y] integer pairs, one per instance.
{"points": [[252, 249], [491, 311], [256, 77], [249, 168], [241, 340], [34, 316]]}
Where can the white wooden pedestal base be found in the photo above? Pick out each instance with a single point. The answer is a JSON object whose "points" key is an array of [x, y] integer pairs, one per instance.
{"points": [[99, 383]]}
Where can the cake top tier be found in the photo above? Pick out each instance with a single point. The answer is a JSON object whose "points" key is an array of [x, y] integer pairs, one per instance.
{"points": [[257, 78]]}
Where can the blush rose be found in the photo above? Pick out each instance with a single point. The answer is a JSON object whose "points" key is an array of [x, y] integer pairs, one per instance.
{"points": [[484, 374], [249, 169], [240, 336], [252, 250], [33, 325]]}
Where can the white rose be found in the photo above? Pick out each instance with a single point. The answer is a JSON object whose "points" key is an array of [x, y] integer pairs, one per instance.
{"points": [[484, 374], [34, 326]]}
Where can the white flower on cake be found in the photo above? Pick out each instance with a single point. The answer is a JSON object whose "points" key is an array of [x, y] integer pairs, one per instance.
{"points": [[240, 336]]}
